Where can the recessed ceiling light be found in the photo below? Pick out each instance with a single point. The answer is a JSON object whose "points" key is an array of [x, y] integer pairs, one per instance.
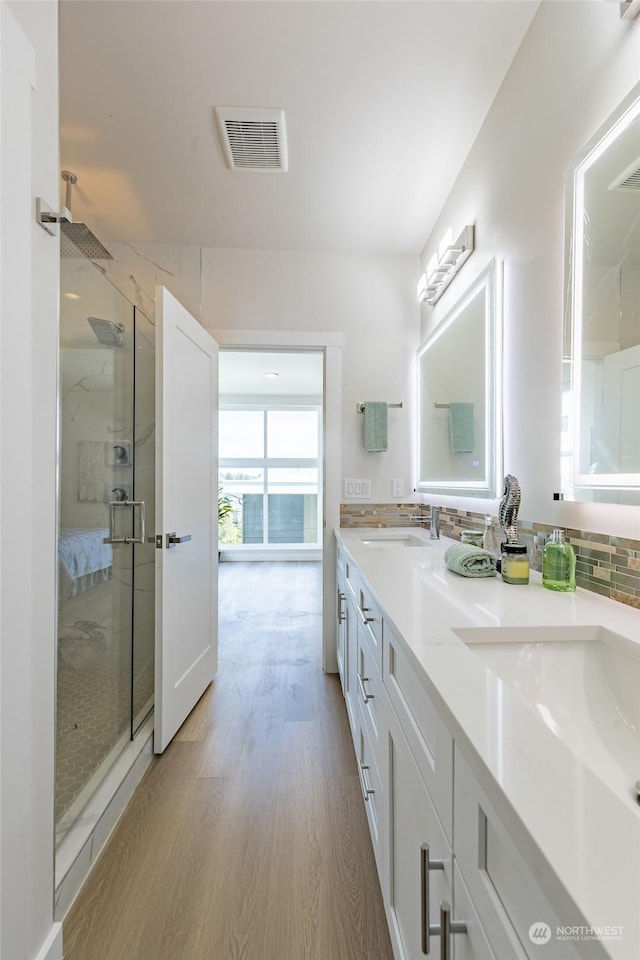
{"points": [[271, 373], [73, 296]]}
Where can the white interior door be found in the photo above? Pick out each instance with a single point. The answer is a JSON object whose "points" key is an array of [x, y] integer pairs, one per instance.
{"points": [[186, 514]]}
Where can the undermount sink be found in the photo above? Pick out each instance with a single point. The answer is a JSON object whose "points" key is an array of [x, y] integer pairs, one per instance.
{"points": [[582, 681], [398, 540]]}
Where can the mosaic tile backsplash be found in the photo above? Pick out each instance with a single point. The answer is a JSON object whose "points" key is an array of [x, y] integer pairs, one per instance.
{"points": [[606, 565]]}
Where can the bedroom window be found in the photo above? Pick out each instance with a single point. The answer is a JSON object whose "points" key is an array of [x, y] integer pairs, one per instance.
{"points": [[270, 471]]}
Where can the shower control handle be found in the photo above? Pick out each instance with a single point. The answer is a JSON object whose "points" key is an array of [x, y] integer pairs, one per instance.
{"points": [[172, 539]]}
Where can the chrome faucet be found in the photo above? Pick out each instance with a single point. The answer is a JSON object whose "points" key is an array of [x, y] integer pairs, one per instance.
{"points": [[434, 529]]}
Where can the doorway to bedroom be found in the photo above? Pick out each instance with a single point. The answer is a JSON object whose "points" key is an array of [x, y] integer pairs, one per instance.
{"points": [[271, 439], [271, 455]]}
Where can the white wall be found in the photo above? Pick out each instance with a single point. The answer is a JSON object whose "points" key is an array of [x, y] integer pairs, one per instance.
{"points": [[370, 299], [576, 63], [28, 357]]}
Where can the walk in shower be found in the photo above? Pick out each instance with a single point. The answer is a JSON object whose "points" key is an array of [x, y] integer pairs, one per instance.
{"points": [[106, 483]]}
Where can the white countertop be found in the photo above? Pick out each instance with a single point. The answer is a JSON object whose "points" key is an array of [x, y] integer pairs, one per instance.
{"points": [[585, 829]]}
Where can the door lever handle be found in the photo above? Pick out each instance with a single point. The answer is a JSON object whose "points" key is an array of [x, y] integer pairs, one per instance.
{"points": [[172, 539]]}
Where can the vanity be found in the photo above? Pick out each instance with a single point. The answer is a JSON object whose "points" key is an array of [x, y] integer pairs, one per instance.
{"points": [[497, 736]]}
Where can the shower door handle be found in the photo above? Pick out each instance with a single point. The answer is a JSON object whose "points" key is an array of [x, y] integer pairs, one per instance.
{"points": [[139, 506], [135, 505]]}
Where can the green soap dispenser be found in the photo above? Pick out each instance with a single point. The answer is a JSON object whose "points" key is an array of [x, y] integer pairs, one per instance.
{"points": [[558, 564]]}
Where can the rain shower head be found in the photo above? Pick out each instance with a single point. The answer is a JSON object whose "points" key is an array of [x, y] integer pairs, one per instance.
{"points": [[82, 239], [108, 333], [77, 239]]}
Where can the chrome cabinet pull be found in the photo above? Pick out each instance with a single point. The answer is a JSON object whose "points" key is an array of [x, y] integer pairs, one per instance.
{"points": [[425, 866], [365, 696], [364, 610], [366, 789], [135, 505], [172, 539], [341, 598], [445, 929]]}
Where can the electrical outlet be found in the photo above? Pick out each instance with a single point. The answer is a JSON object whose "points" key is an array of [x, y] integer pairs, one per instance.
{"points": [[397, 488]]}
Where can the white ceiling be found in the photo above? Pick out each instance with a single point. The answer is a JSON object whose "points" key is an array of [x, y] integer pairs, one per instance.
{"points": [[242, 373], [382, 100]]}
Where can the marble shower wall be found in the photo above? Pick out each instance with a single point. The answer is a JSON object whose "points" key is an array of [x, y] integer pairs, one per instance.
{"points": [[93, 416], [137, 268]]}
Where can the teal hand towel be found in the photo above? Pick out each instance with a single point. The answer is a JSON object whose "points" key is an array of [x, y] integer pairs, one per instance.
{"points": [[470, 561], [461, 439], [375, 427]]}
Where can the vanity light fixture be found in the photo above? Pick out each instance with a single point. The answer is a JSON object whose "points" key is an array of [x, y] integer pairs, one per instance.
{"points": [[444, 264]]}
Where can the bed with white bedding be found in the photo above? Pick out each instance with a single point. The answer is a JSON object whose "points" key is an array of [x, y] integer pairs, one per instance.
{"points": [[84, 559]]}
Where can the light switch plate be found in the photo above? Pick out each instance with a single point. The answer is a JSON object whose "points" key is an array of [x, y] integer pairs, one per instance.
{"points": [[357, 489]]}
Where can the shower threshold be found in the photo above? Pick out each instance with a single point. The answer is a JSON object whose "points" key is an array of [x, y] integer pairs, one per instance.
{"points": [[86, 826]]}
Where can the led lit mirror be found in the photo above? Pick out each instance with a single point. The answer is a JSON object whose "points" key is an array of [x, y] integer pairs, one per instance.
{"points": [[459, 383], [601, 390]]}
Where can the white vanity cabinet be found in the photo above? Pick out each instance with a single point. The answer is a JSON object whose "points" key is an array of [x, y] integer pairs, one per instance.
{"points": [[434, 810]]}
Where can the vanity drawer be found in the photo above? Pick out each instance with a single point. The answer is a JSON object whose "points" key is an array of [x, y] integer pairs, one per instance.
{"points": [[371, 694], [372, 792], [500, 882], [428, 737], [472, 945], [351, 576], [371, 621]]}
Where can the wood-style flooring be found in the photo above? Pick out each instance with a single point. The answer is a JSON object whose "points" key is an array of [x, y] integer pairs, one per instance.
{"points": [[247, 839]]}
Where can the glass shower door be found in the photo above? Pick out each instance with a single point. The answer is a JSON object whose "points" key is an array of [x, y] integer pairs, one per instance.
{"points": [[99, 569], [144, 557]]}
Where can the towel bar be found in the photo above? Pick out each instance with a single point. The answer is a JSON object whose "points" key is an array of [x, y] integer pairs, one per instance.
{"points": [[360, 406]]}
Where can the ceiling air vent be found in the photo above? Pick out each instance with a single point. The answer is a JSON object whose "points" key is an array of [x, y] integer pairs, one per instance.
{"points": [[253, 138], [629, 179]]}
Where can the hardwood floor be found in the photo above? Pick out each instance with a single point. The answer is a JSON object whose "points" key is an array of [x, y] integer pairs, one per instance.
{"points": [[247, 839]]}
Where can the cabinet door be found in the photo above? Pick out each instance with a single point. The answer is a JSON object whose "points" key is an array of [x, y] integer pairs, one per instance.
{"points": [[509, 899], [426, 733], [341, 616], [414, 894], [370, 620], [373, 794], [371, 694], [350, 625]]}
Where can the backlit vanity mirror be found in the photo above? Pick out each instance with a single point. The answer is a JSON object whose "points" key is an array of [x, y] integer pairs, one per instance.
{"points": [[459, 404], [601, 416]]}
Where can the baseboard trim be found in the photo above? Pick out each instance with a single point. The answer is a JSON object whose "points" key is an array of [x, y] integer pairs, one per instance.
{"points": [[51, 949], [246, 554]]}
